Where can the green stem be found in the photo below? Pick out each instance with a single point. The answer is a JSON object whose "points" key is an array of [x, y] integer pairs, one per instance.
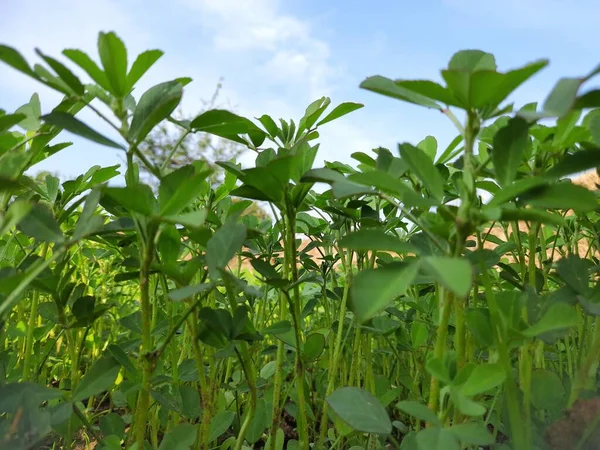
{"points": [[583, 373], [277, 407], [278, 377], [165, 163], [248, 369], [440, 343], [33, 318], [31, 274], [143, 401], [514, 410], [337, 353], [302, 419]]}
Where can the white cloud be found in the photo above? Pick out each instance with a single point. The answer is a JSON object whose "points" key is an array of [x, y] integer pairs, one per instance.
{"points": [[291, 55], [63, 24], [273, 62]]}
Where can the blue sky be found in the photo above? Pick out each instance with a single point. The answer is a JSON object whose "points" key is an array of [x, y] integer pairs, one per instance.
{"points": [[276, 56]]}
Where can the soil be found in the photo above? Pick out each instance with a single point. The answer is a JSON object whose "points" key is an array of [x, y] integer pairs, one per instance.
{"points": [[581, 422]]}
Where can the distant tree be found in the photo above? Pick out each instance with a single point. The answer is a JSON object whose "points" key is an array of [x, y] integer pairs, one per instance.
{"points": [[254, 210], [160, 144], [40, 176]]}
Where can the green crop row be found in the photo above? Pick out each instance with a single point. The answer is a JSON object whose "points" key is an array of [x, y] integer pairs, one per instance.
{"points": [[447, 298]]}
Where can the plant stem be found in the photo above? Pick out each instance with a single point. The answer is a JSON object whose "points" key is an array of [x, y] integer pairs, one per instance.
{"points": [[333, 369], [143, 401], [440, 343], [248, 369], [278, 377], [583, 373], [514, 411], [33, 318], [290, 244]]}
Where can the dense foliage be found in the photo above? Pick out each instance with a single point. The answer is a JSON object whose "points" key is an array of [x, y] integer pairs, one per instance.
{"points": [[168, 318]]}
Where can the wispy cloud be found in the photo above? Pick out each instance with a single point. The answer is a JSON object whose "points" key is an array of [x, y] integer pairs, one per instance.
{"points": [[288, 55], [274, 62]]}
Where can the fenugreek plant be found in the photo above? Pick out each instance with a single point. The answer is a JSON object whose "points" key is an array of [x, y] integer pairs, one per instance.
{"points": [[428, 298]]}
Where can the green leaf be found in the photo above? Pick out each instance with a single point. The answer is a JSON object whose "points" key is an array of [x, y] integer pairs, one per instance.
{"points": [[91, 68], [220, 424], [419, 333], [547, 391], [282, 327], [99, 378], [509, 148], [14, 59], [373, 289], [119, 354], [182, 437], [345, 189], [269, 124], [279, 440], [138, 198], [530, 214], [188, 191], [339, 111], [437, 368], [83, 308], [67, 122], [509, 193], [563, 96], [483, 378], [420, 164], [465, 405], [573, 163], [418, 411], [386, 182], [387, 87], [489, 89], [112, 424], [16, 212], [189, 291], [259, 422], [451, 151], [7, 121], [363, 158], [429, 145], [374, 240], [192, 219], [479, 324], [87, 222], [322, 175], [431, 90], [155, 105], [575, 272], [225, 124], [32, 112], [113, 55], [313, 347], [64, 73], [472, 433], [454, 273], [564, 195], [559, 317], [12, 393], [223, 246], [40, 224], [436, 439], [359, 409], [472, 61], [140, 66]]}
